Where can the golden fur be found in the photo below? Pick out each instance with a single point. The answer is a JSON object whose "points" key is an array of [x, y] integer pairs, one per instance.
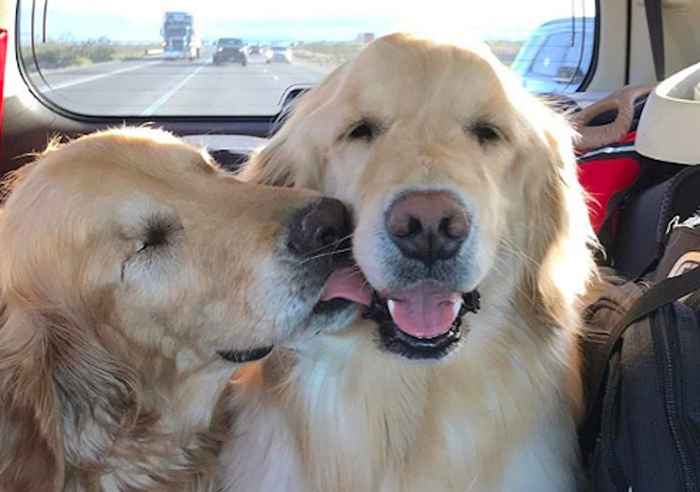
{"points": [[338, 414], [129, 259]]}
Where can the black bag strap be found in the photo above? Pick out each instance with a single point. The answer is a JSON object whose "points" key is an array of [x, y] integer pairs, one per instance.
{"points": [[606, 233], [656, 36], [601, 346]]}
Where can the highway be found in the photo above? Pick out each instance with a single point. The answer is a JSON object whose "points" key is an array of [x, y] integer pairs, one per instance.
{"points": [[159, 87]]}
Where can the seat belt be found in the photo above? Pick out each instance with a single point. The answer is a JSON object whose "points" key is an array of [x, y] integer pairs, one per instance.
{"points": [[656, 36]]}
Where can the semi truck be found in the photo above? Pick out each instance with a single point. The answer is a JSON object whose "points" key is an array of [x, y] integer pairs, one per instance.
{"points": [[180, 40]]}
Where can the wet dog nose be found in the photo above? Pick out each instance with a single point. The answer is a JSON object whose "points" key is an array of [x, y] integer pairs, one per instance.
{"points": [[324, 224], [428, 225]]}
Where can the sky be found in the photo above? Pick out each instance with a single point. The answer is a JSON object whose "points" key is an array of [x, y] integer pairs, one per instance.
{"points": [[306, 20]]}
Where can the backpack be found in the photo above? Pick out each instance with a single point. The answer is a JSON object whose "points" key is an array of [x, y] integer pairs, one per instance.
{"points": [[641, 347], [642, 379]]}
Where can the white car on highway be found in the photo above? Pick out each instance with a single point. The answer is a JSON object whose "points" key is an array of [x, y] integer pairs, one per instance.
{"points": [[278, 54]]}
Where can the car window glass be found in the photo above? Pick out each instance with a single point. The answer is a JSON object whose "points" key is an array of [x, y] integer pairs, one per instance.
{"points": [[552, 54], [212, 58]]}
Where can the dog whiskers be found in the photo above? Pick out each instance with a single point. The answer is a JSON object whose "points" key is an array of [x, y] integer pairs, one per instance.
{"points": [[342, 241], [323, 255]]}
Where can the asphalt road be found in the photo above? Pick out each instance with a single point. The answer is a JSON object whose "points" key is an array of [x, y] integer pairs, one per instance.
{"points": [[158, 87]]}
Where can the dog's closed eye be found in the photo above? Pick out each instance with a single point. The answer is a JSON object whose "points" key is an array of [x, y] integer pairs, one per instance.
{"points": [[158, 231], [151, 234], [365, 129], [154, 238], [485, 132]]}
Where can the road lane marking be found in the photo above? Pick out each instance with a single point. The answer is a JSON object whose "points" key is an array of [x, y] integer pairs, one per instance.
{"points": [[165, 97], [95, 77]]}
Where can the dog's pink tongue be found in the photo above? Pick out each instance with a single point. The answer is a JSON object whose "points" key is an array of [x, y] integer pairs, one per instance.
{"points": [[425, 311], [347, 283]]}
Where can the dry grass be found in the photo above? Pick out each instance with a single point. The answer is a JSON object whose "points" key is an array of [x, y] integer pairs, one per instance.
{"points": [[60, 54], [328, 53]]}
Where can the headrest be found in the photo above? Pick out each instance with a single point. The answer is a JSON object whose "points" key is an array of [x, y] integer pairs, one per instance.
{"points": [[669, 128]]}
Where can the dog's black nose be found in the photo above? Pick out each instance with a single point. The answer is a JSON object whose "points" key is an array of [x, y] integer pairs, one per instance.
{"points": [[319, 227], [428, 225]]}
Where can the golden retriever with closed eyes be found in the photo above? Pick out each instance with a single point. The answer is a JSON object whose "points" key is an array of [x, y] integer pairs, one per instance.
{"points": [[135, 276], [472, 246]]}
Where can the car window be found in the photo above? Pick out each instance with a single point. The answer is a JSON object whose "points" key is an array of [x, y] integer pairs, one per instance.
{"points": [[167, 58], [557, 56], [552, 55]]}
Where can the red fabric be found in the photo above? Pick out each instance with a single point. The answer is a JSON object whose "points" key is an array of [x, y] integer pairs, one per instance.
{"points": [[3, 52], [629, 138], [605, 177]]}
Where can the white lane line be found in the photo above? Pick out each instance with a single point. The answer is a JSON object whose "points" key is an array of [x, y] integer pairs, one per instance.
{"points": [[164, 98], [96, 77]]}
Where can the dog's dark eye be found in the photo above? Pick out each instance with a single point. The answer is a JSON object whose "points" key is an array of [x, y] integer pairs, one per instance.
{"points": [[486, 133], [363, 130]]}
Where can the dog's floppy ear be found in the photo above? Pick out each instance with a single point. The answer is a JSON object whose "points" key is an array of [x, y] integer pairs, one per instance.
{"points": [[31, 449], [31, 454], [560, 244], [560, 237], [58, 373], [293, 150], [58, 383]]}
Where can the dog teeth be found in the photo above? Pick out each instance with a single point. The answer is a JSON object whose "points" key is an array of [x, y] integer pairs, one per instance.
{"points": [[456, 307], [391, 304]]}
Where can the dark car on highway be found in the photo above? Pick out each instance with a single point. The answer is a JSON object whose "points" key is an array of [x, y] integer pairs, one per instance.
{"points": [[230, 50]]}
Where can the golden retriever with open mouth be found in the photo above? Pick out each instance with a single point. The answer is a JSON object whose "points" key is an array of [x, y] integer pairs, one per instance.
{"points": [[135, 276], [471, 238]]}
